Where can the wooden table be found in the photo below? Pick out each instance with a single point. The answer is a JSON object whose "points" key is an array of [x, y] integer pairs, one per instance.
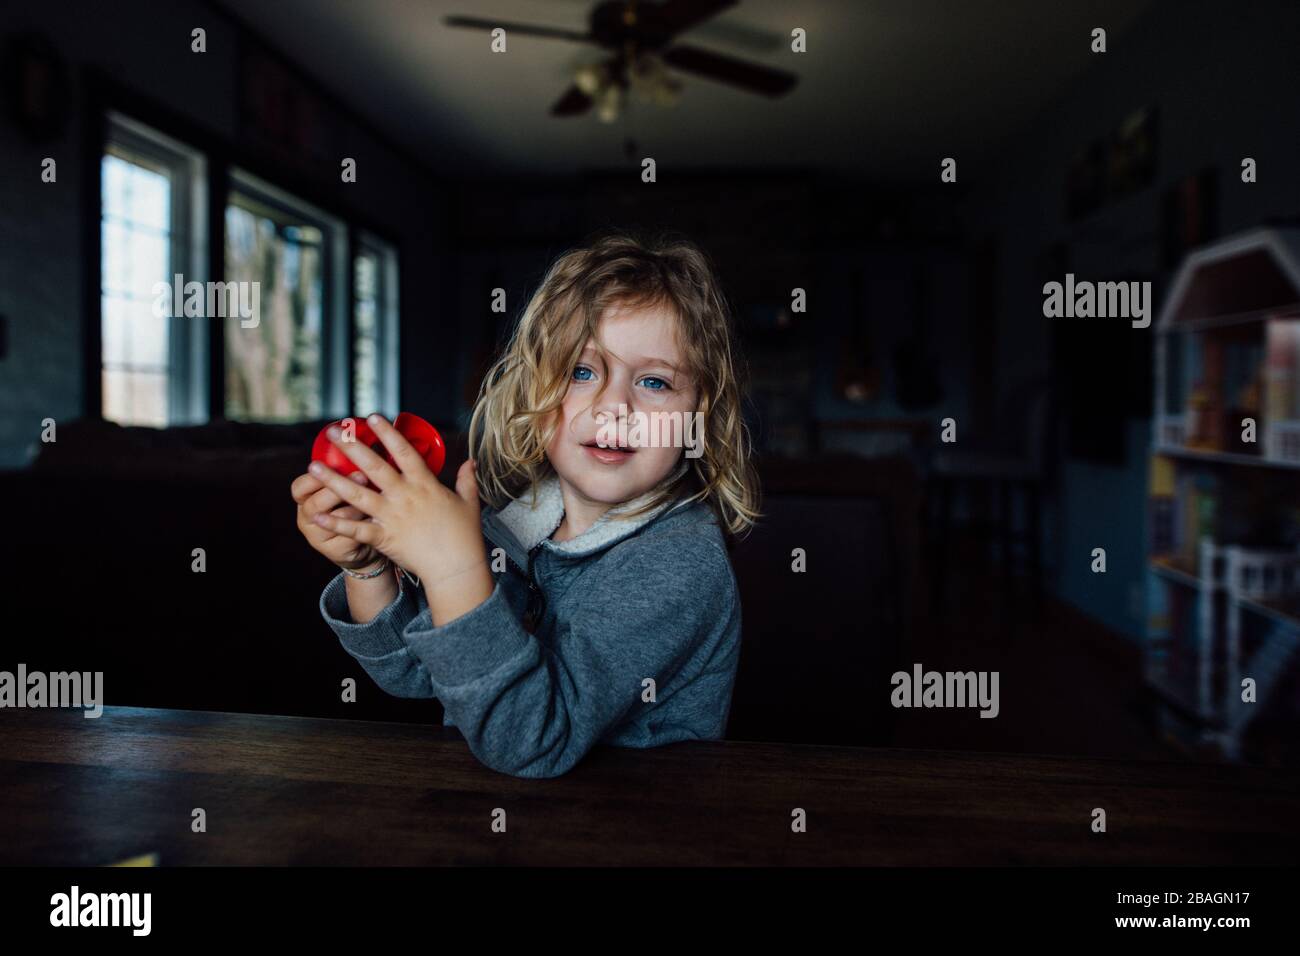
{"points": [[289, 790]]}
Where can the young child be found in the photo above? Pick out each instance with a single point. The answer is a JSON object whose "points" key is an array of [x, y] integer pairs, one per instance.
{"points": [[592, 600]]}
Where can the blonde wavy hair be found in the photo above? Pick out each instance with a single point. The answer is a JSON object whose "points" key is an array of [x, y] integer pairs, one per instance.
{"points": [[512, 424]]}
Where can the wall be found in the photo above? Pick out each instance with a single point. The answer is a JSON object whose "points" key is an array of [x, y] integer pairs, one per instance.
{"points": [[768, 232], [1224, 81], [145, 47]]}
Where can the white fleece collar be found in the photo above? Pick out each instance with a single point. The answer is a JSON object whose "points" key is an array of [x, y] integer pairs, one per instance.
{"points": [[533, 524]]}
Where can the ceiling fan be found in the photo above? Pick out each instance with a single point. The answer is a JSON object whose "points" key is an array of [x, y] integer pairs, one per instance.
{"points": [[642, 36]]}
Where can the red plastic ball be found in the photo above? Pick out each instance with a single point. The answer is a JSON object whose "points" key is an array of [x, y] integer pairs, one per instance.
{"points": [[423, 437]]}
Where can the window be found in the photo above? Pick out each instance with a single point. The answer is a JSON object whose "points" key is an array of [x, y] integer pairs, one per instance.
{"points": [[152, 367], [291, 351], [374, 328], [284, 367]]}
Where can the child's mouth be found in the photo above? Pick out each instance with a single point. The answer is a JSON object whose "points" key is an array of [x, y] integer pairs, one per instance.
{"points": [[609, 456]]}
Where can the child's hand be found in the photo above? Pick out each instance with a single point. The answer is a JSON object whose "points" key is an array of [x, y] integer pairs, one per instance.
{"points": [[415, 520], [314, 498]]}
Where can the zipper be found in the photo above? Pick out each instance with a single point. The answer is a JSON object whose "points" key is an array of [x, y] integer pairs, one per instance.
{"points": [[536, 606], [536, 598]]}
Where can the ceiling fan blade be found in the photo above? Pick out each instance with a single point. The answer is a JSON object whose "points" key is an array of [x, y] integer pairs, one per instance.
{"points": [[574, 102], [523, 29], [681, 15], [725, 69]]}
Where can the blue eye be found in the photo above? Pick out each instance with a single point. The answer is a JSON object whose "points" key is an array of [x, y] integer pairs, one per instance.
{"points": [[651, 378], [581, 368]]}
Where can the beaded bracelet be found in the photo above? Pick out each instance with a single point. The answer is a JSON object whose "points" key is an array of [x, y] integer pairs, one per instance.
{"points": [[369, 574]]}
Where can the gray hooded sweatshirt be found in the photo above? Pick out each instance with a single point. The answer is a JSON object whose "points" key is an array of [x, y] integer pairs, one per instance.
{"points": [[636, 644]]}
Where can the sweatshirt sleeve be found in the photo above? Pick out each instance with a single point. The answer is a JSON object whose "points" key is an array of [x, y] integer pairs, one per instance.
{"points": [[377, 645], [530, 711]]}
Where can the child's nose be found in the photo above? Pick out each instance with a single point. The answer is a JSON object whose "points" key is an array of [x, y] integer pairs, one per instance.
{"points": [[616, 394]]}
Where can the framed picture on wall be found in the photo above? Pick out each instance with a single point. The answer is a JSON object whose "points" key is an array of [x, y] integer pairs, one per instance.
{"points": [[1113, 166]]}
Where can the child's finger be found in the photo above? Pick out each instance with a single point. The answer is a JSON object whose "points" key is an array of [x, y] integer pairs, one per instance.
{"points": [[304, 486], [466, 485], [353, 492], [408, 459], [346, 512], [367, 532], [327, 499], [380, 472]]}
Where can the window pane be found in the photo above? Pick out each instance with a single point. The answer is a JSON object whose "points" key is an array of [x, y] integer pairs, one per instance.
{"points": [[133, 336], [116, 331], [136, 254], [149, 199], [273, 368], [115, 263], [138, 397], [366, 333], [116, 175], [149, 256], [148, 335]]}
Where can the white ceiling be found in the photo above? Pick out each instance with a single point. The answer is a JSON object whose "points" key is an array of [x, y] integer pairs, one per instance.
{"points": [[886, 85]]}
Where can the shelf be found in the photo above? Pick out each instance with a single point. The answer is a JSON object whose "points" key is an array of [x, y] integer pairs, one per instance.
{"points": [[1286, 616], [1166, 568], [1227, 342], [1179, 702], [1224, 457]]}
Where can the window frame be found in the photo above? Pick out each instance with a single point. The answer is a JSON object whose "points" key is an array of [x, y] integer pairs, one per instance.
{"points": [[187, 170], [390, 319], [105, 96], [336, 339]]}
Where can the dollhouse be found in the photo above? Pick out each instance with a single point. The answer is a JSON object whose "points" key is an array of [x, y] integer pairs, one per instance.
{"points": [[1222, 650]]}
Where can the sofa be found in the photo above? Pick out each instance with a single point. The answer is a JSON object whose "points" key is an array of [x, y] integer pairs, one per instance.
{"points": [[100, 576]]}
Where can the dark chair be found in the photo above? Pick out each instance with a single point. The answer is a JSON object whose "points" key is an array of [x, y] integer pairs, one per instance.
{"points": [[818, 647], [1016, 458]]}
